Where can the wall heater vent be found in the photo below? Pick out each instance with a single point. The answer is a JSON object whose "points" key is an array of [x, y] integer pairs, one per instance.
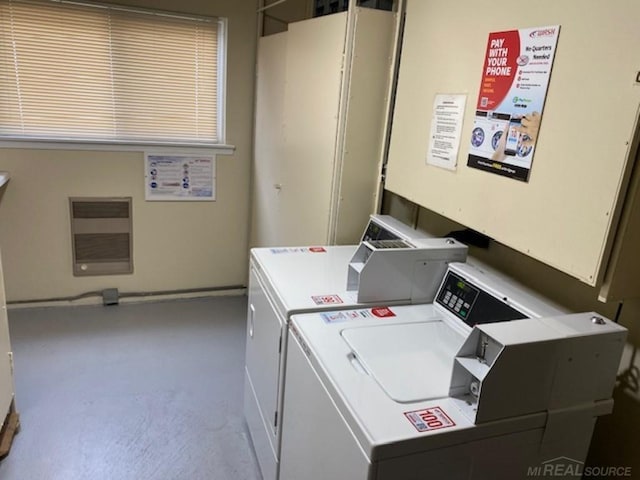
{"points": [[101, 235]]}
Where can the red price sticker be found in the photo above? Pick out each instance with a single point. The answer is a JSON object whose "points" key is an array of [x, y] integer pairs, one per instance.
{"points": [[382, 312], [429, 419], [326, 299], [317, 249]]}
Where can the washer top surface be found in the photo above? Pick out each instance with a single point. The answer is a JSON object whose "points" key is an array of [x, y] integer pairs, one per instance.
{"points": [[357, 353], [307, 279], [411, 362]]}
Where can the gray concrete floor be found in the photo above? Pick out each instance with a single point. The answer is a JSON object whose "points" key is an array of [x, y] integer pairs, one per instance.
{"points": [[148, 391]]}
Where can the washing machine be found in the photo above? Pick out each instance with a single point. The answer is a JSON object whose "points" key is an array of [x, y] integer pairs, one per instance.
{"points": [[291, 280], [489, 381]]}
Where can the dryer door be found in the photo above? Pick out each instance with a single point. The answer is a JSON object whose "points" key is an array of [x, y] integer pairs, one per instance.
{"points": [[263, 356]]}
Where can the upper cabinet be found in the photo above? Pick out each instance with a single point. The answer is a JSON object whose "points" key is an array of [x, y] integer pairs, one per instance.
{"points": [[568, 214], [321, 103]]}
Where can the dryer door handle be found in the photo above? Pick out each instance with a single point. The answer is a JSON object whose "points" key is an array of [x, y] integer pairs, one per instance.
{"points": [[252, 316]]}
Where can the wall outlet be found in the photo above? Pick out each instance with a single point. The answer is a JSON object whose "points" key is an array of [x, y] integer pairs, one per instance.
{"points": [[110, 296]]}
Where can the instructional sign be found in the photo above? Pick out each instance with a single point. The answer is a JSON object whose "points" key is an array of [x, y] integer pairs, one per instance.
{"points": [[515, 77], [446, 126], [179, 177], [348, 315]]}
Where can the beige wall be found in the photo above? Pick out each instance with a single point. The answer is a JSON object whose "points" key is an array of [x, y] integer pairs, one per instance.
{"points": [[276, 19], [176, 245]]}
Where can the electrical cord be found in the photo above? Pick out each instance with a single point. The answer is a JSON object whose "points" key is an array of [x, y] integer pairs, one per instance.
{"points": [[99, 293], [58, 299]]}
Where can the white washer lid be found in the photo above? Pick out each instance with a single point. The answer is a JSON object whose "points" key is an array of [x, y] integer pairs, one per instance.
{"points": [[411, 362]]}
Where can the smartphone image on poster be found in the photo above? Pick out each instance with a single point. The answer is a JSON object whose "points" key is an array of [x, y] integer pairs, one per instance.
{"points": [[513, 137]]}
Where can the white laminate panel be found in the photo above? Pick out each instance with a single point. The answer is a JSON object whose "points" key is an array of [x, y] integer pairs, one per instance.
{"points": [[564, 214], [314, 78], [370, 75], [269, 140]]}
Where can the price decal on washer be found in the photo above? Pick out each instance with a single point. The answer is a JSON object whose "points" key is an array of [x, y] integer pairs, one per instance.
{"points": [[326, 299], [298, 250], [383, 312], [429, 419]]}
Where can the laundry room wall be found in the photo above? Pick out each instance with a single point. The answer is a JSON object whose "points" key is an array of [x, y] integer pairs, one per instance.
{"points": [[276, 18], [176, 245]]}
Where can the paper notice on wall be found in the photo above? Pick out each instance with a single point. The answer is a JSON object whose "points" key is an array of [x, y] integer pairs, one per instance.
{"points": [[180, 177], [446, 127]]}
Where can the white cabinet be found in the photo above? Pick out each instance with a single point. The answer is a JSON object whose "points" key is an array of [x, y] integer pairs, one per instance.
{"points": [[6, 370], [566, 214], [321, 99]]}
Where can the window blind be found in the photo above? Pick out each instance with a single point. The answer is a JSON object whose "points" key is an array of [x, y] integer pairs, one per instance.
{"points": [[71, 71]]}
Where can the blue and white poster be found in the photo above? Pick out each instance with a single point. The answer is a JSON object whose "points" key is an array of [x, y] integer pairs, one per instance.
{"points": [[179, 177]]}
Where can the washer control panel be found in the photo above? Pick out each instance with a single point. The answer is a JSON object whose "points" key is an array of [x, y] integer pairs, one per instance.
{"points": [[471, 304], [378, 232]]}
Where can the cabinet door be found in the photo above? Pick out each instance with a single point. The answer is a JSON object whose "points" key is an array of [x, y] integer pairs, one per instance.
{"points": [[314, 75], [299, 81], [269, 141], [6, 377], [263, 351]]}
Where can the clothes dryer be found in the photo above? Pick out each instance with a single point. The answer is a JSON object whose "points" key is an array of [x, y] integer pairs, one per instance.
{"points": [[292, 280]]}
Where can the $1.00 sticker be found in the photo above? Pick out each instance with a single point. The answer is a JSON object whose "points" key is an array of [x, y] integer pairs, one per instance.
{"points": [[326, 299], [429, 419]]}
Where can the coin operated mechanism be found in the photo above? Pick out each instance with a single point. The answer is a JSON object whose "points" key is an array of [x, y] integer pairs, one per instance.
{"points": [[533, 365], [395, 270]]}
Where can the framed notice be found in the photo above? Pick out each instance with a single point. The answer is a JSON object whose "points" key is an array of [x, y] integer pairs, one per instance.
{"points": [[180, 177], [515, 77]]}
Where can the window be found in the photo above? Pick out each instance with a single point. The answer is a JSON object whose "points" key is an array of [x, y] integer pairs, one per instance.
{"points": [[110, 74]]}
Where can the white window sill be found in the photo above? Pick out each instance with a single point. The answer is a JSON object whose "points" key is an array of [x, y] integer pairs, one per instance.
{"points": [[211, 149]]}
